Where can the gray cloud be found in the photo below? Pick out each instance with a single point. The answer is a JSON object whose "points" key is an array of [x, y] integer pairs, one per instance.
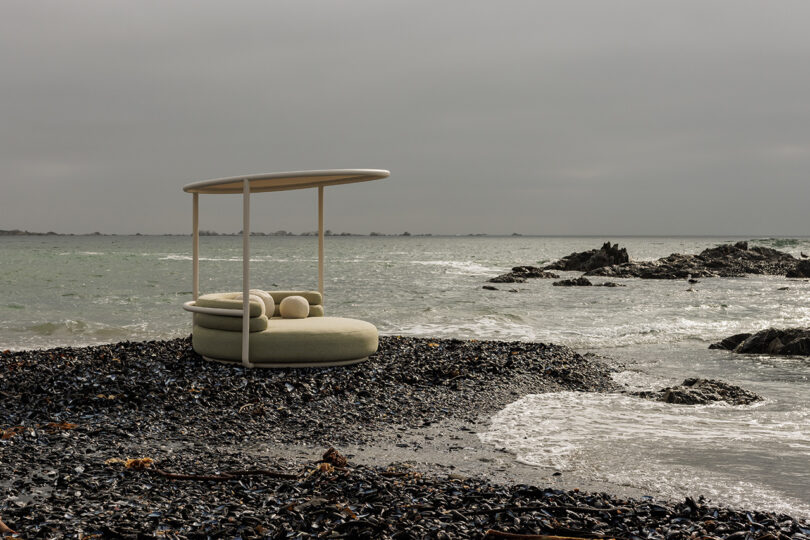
{"points": [[622, 117]]}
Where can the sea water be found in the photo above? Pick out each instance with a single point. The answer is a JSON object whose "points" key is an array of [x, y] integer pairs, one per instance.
{"points": [[62, 290]]}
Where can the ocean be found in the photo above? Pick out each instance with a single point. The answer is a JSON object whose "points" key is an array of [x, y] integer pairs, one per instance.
{"points": [[80, 290]]}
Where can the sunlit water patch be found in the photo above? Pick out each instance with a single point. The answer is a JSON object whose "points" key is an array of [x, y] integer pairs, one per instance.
{"points": [[463, 267]]}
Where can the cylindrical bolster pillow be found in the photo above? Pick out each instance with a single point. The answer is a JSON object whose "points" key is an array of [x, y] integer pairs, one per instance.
{"points": [[231, 324], [231, 301], [294, 307], [269, 303]]}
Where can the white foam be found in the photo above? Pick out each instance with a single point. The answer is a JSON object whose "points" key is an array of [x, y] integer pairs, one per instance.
{"points": [[221, 259], [719, 450], [462, 267], [660, 329]]}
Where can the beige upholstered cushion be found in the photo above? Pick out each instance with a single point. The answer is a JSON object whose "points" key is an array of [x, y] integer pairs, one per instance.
{"points": [[294, 307], [300, 341], [269, 303], [314, 311], [231, 301], [313, 297], [231, 324]]}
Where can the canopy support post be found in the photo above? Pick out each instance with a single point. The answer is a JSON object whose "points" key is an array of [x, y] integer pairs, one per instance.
{"points": [[246, 273], [195, 248], [320, 240]]}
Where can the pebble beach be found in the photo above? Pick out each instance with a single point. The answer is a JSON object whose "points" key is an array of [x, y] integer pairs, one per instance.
{"points": [[148, 440]]}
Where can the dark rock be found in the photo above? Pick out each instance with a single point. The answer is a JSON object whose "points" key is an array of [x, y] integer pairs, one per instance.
{"points": [[730, 343], [773, 341], [790, 341], [508, 278], [798, 347], [533, 272], [612, 284], [725, 260], [489, 288], [763, 342], [577, 282], [520, 274], [585, 261], [801, 270], [701, 392]]}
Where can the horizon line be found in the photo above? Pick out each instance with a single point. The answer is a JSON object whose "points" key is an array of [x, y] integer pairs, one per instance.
{"points": [[405, 234]]}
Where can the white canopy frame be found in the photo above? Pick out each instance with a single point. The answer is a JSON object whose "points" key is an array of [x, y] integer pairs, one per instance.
{"points": [[259, 183]]}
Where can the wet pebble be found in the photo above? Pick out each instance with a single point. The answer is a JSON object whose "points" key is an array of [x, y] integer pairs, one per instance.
{"points": [[140, 440]]}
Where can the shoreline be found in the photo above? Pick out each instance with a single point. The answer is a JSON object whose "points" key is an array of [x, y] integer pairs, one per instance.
{"points": [[416, 404]]}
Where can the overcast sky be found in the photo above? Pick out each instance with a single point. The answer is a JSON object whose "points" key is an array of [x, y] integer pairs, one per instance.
{"points": [[537, 117]]}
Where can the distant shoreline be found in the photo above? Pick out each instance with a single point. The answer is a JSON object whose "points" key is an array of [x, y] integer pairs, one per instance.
{"points": [[18, 232]]}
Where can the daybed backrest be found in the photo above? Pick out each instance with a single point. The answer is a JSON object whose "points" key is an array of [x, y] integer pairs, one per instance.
{"points": [[259, 303], [313, 297], [231, 301]]}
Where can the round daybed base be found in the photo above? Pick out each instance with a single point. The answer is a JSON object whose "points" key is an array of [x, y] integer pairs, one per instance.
{"points": [[279, 365], [310, 342]]}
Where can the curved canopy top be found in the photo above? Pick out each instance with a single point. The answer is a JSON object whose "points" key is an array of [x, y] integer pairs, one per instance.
{"points": [[283, 181]]}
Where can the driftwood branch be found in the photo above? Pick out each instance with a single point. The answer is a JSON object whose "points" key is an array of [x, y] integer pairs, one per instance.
{"points": [[5, 528], [223, 477], [512, 536]]}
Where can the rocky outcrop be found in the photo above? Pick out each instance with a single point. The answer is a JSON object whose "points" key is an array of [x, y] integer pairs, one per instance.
{"points": [[585, 261], [790, 341], [801, 270], [585, 282], [520, 274], [577, 282], [726, 260], [701, 392]]}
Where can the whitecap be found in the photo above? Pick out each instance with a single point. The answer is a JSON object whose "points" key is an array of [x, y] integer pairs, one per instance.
{"points": [[462, 267]]}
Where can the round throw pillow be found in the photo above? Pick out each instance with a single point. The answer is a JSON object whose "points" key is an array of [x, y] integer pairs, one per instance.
{"points": [[294, 307]]}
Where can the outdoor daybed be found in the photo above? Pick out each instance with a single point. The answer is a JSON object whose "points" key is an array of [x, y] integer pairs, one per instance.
{"points": [[275, 328], [278, 342]]}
